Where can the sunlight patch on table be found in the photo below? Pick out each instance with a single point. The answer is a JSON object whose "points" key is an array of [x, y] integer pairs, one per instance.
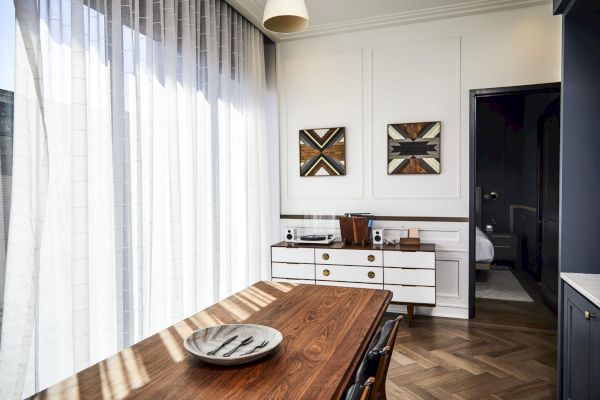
{"points": [[173, 346]]}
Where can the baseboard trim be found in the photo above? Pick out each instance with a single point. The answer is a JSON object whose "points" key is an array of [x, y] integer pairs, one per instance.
{"points": [[439, 311]]}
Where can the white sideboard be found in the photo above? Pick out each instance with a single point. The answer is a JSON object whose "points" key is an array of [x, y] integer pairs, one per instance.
{"points": [[409, 272]]}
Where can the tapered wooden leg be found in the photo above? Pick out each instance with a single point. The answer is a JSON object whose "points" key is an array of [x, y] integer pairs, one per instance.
{"points": [[410, 308], [382, 395]]}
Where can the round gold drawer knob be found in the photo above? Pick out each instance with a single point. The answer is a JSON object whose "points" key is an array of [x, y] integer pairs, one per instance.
{"points": [[371, 274], [588, 315], [325, 256], [326, 272], [371, 258]]}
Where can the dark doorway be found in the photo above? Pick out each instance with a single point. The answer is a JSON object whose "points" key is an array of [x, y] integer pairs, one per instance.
{"points": [[514, 193]]}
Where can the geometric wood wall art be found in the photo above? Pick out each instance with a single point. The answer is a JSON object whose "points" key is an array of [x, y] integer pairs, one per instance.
{"points": [[414, 148], [323, 152]]}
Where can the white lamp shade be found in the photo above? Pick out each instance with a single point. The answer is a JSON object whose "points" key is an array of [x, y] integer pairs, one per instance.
{"points": [[286, 16]]}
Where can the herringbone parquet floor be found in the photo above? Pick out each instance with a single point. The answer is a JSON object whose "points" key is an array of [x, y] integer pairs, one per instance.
{"points": [[507, 352]]}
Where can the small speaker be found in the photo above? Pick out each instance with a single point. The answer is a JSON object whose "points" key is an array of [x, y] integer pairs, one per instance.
{"points": [[377, 236], [291, 234]]}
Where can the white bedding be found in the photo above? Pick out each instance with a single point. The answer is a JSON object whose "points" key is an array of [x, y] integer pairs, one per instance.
{"points": [[484, 250]]}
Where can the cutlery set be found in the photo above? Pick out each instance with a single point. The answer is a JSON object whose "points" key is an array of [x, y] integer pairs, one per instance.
{"points": [[233, 344], [244, 342]]}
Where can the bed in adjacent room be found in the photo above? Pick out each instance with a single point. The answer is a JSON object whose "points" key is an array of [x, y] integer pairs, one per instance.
{"points": [[484, 250]]}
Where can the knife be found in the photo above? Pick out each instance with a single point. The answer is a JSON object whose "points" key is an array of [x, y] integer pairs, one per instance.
{"points": [[231, 339], [244, 342]]}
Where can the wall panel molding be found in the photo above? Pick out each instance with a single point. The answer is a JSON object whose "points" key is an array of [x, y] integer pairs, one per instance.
{"points": [[316, 188], [424, 103]]}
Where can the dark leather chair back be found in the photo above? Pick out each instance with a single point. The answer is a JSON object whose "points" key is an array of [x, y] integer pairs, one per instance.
{"points": [[377, 360]]}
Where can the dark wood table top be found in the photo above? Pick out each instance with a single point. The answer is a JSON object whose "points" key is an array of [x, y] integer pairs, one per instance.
{"points": [[344, 246], [326, 330]]}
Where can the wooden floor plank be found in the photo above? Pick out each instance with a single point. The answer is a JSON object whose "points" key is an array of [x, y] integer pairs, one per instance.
{"points": [[441, 394], [476, 391], [444, 379], [417, 376], [530, 391], [469, 382], [459, 363]]}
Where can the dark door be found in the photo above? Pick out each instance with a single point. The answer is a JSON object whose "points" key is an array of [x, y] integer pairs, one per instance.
{"points": [[576, 347], [595, 354], [549, 177]]}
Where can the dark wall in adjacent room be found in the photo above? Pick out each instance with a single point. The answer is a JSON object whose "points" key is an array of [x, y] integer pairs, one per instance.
{"points": [[508, 141]]}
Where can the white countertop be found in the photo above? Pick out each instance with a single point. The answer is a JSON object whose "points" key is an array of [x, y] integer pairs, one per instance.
{"points": [[586, 284]]}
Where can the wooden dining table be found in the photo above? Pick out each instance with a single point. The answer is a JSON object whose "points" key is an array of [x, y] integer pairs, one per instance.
{"points": [[326, 331]]}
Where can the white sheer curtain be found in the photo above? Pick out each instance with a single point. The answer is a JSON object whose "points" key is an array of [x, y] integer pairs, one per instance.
{"points": [[140, 187]]}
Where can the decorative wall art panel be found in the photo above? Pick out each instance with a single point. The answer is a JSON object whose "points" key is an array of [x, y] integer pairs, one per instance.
{"points": [[414, 148], [323, 152]]}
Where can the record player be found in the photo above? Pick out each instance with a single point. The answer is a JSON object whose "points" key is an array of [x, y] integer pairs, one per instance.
{"points": [[315, 239]]}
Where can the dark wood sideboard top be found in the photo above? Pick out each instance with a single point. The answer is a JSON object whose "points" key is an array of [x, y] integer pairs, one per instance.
{"points": [[430, 247]]}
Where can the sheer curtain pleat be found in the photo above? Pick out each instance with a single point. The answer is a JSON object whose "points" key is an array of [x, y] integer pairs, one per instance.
{"points": [[140, 180]]}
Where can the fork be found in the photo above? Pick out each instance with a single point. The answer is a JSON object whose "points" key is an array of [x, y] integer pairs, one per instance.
{"points": [[260, 346], [244, 342]]}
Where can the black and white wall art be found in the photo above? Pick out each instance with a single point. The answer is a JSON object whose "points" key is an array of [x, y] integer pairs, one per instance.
{"points": [[414, 148]]}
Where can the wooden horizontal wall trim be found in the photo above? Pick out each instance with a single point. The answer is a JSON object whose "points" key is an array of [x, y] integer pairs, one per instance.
{"points": [[379, 218]]}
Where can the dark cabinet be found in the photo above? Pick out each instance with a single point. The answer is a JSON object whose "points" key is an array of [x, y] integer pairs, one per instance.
{"points": [[579, 362], [581, 142], [580, 347], [505, 247]]}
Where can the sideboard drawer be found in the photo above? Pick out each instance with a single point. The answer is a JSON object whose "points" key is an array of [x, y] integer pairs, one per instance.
{"points": [[349, 257], [293, 255], [409, 259], [412, 294], [351, 284], [348, 273], [402, 276], [293, 271]]}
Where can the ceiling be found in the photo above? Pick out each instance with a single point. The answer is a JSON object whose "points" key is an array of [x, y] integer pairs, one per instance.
{"points": [[334, 16]]}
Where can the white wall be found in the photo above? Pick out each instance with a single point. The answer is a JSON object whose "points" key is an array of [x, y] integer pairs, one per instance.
{"points": [[409, 73]]}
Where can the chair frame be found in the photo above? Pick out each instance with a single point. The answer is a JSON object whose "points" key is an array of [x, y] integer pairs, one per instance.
{"points": [[366, 394], [378, 389]]}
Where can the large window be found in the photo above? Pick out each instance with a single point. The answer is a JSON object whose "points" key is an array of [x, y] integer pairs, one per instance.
{"points": [[7, 65], [140, 165]]}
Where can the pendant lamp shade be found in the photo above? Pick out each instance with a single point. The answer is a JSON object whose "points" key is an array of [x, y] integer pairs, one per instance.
{"points": [[286, 16]]}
